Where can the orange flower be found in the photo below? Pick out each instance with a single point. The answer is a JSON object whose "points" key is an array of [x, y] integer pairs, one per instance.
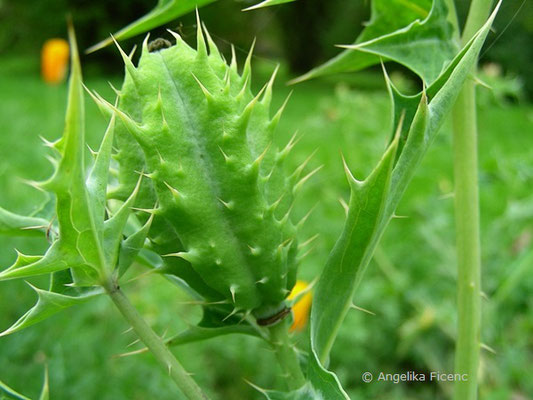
{"points": [[54, 60], [300, 310]]}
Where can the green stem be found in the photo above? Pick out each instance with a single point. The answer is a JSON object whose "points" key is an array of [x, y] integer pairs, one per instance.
{"points": [[155, 344], [286, 354], [477, 15], [452, 18], [468, 245], [467, 223]]}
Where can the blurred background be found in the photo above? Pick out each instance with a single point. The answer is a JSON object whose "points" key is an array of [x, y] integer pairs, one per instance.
{"points": [[410, 284]]}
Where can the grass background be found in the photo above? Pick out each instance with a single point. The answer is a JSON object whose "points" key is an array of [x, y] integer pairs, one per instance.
{"points": [[410, 284]]}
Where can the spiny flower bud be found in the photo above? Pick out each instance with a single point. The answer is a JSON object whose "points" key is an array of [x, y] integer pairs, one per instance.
{"points": [[223, 197]]}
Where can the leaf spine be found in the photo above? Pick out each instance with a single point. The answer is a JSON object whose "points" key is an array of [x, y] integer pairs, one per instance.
{"points": [[114, 89], [209, 97], [344, 205], [267, 97], [151, 211], [277, 116], [213, 50], [132, 52], [287, 149], [361, 309], [233, 63], [254, 166], [130, 68], [298, 171], [349, 176], [175, 35], [201, 49], [247, 69], [300, 258], [227, 82], [254, 250], [300, 223], [226, 157], [145, 44], [271, 208], [175, 192], [244, 89], [285, 218], [232, 313], [302, 181], [189, 256], [233, 291], [133, 127], [308, 241], [230, 205]]}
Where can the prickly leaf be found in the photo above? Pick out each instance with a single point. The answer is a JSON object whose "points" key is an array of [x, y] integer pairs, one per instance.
{"points": [[77, 245], [50, 303], [321, 385], [19, 225], [90, 244], [422, 117], [164, 12], [407, 32]]}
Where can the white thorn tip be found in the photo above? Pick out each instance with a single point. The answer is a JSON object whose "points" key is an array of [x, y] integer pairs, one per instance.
{"points": [[361, 309]]}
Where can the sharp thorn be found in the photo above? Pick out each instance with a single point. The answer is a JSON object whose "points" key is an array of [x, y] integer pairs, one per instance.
{"points": [[349, 175], [361, 309], [308, 241], [306, 178], [134, 343], [344, 205]]}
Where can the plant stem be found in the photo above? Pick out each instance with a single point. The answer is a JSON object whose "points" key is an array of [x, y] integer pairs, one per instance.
{"points": [[452, 18], [467, 222], [286, 354], [154, 343], [468, 245]]}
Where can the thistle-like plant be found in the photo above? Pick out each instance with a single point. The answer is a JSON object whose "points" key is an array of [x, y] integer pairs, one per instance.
{"points": [[204, 199], [204, 143]]}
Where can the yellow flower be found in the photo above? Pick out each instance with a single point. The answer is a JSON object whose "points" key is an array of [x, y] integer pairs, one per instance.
{"points": [[54, 60], [300, 309]]}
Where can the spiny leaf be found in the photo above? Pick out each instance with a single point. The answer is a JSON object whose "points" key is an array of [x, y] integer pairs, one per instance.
{"points": [[366, 206], [48, 304], [98, 178], [12, 394], [321, 385], [78, 229], [423, 115], [441, 97], [131, 246], [80, 200], [57, 258], [18, 225], [114, 227], [400, 31], [164, 12]]}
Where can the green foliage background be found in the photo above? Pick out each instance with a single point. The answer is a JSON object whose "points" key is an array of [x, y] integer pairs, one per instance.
{"points": [[410, 286], [304, 44]]}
